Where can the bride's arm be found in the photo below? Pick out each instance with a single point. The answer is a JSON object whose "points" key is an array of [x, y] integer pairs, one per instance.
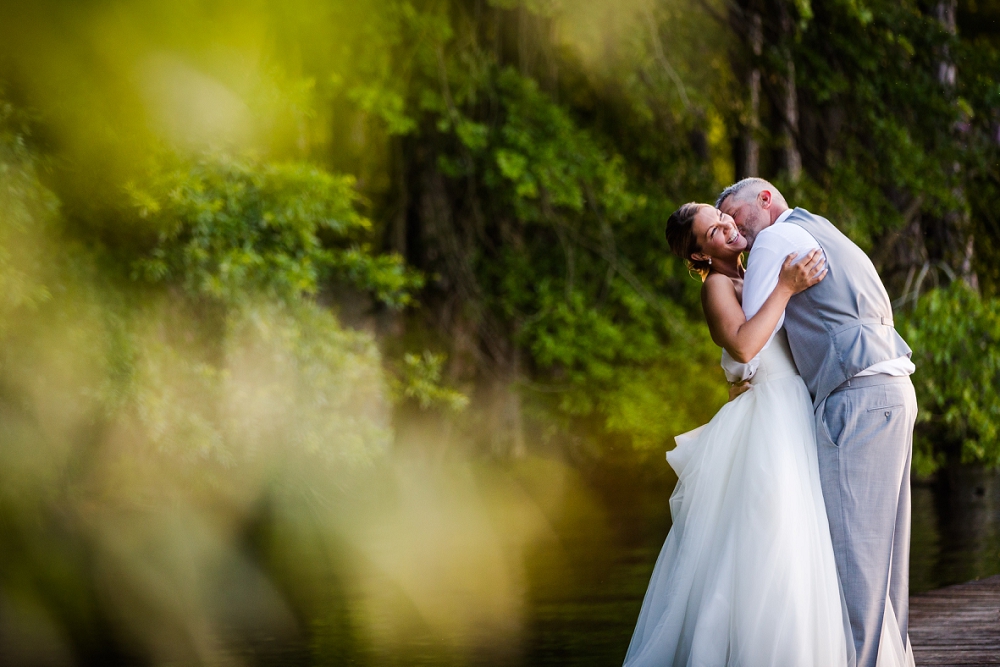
{"points": [[743, 338]]}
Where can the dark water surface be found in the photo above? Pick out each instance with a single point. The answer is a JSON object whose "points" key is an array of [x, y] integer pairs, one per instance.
{"points": [[584, 588], [956, 538], [425, 563]]}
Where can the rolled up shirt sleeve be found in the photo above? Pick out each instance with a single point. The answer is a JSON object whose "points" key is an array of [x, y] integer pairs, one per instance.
{"points": [[759, 281], [770, 249], [761, 278]]}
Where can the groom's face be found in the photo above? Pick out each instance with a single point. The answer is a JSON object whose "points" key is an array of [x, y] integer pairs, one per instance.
{"points": [[750, 217]]}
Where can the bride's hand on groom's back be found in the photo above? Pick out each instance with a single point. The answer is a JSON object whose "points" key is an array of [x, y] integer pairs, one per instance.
{"points": [[737, 388], [801, 275]]}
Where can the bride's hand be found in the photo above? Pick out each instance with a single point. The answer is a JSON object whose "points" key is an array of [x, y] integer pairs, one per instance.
{"points": [[738, 388], [803, 274]]}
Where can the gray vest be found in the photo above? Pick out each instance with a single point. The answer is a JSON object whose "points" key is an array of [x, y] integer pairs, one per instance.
{"points": [[842, 325]]}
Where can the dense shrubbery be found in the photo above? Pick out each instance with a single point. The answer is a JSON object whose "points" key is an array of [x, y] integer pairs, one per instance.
{"points": [[219, 354], [955, 335], [502, 170], [230, 230]]}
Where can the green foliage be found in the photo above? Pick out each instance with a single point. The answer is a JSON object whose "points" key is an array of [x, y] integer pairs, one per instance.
{"points": [[887, 138], [521, 155], [546, 165], [27, 209], [229, 229], [261, 378], [955, 335], [574, 273], [290, 384], [980, 92], [651, 405], [419, 379]]}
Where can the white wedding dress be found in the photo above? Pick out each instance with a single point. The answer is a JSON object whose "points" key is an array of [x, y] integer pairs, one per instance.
{"points": [[747, 577]]}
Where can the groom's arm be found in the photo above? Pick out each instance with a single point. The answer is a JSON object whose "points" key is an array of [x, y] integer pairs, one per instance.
{"points": [[770, 249], [759, 281], [756, 277], [761, 278]]}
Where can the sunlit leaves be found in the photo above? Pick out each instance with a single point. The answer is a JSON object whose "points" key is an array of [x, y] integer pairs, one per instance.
{"points": [[228, 229], [419, 378], [558, 203], [955, 335], [26, 209], [386, 104], [869, 72]]}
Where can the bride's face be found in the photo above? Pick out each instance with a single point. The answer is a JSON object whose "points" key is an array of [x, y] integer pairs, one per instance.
{"points": [[717, 234]]}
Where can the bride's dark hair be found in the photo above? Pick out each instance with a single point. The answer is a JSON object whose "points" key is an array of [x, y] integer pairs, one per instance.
{"points": [[682, 240]]}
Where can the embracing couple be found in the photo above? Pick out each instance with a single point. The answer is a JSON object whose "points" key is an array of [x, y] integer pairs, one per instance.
{"points": [[791, 514]]}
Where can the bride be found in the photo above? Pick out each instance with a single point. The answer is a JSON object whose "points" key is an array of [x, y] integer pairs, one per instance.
{"points": [[747, 574]]}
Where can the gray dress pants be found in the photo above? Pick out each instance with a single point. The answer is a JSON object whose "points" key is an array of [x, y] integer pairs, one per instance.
{"points": [[865, 439]]}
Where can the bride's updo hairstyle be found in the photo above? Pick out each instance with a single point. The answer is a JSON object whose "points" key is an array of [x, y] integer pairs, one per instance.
{"points": [[681, 238]]}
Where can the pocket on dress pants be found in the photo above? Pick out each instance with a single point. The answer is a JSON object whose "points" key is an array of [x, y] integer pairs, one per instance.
{"points": [[887, 408], [834, 418]]}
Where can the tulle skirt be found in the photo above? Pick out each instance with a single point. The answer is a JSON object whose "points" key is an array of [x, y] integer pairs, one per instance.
{"points": [[747, 575]]}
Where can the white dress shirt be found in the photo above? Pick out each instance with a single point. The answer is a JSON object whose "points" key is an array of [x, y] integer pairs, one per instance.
{"points": [[770, 248]]}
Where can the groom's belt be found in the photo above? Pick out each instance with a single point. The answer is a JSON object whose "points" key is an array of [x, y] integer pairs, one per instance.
{"points": [[871, 381]]}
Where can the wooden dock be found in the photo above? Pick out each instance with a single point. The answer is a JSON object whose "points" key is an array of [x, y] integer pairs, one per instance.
{"points": [[957, 625]]}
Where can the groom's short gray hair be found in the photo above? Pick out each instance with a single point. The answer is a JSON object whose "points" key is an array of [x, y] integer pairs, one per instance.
{"points": [[743, 190]]}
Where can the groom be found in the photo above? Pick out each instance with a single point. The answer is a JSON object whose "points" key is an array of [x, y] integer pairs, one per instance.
{"points": [[857, 369]]}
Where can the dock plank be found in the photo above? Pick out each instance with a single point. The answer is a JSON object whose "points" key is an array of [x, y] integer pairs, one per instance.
{"points": [[957, 626]]}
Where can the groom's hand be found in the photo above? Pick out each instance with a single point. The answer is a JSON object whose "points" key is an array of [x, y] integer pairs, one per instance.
{"points": [[737, 388]]}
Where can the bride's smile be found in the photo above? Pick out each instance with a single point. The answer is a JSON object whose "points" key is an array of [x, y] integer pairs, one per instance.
{"points": [[717, 234]]}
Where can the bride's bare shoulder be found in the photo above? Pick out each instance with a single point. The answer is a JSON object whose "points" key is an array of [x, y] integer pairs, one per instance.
{"points": [[718, 293], [717, 284]]}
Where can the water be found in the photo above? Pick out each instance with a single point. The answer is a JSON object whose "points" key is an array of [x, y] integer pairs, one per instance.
{"points": [[956, 529], [426, 562], [584, 587], [956, 538]]}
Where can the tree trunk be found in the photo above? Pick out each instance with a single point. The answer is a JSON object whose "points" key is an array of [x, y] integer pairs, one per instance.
{"points": [[746, 20], [504, 419], [751, 144], [945, 12], [949, 237], [440, 238], [791, 160]]}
